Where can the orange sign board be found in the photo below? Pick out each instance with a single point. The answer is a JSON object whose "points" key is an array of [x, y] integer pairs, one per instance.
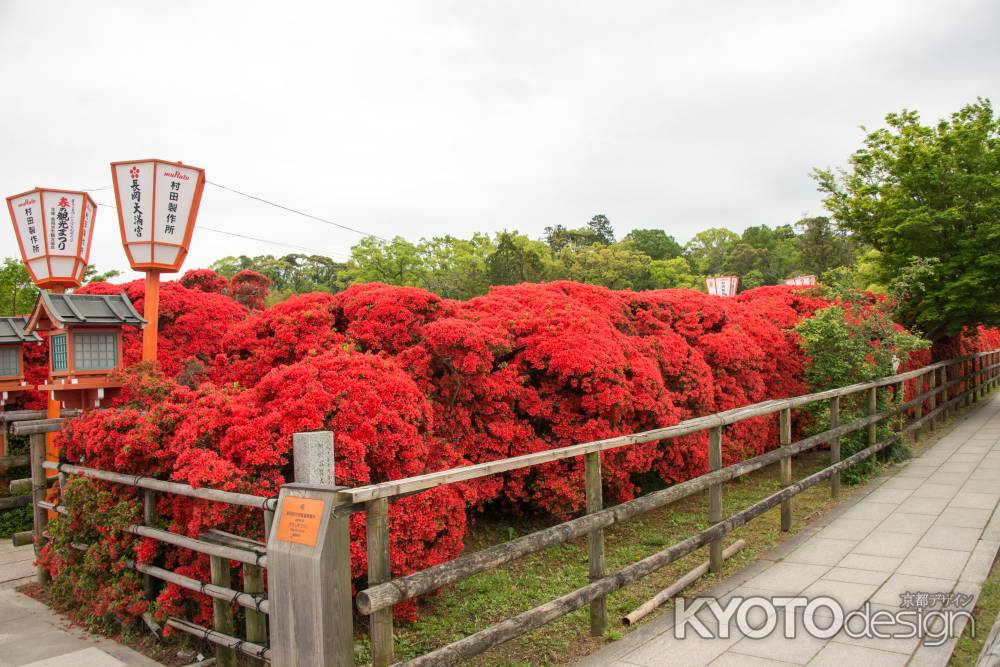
{"points": [[300, 520]]}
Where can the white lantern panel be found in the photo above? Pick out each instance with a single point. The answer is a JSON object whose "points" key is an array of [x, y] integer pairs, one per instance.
{"points": [[80, 270], [63, 211], [165, 254], [89, 214], [175, 191], [135, 190], [140, 253], [30, 221], [62, 266], [40, 267]]}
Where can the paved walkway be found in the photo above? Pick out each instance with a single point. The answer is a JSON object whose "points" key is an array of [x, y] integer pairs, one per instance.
{"points": [[933, 527], [17, 564], [32, 635]]}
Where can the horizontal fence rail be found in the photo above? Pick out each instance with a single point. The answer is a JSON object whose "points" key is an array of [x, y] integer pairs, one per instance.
{"points": [[941, 387], [417, 483], [936, 391]]}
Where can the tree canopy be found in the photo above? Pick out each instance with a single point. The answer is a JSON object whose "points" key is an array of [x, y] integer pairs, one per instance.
{"points": [[927, 199]]}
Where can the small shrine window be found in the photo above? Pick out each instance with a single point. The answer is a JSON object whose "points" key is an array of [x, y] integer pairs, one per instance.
{"points": [[95, 351], [9, 361], [57, 343]]}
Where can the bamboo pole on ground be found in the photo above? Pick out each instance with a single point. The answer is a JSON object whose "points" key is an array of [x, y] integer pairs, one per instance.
{"points": [[675, 588]]}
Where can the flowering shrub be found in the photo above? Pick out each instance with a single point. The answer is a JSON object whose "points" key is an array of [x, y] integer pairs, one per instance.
{"points": [[249, 289], [410, 383], [204, 280], [192, 323]]}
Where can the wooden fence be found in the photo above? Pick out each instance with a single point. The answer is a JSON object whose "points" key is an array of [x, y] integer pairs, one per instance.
{"points": [[938, 387], [936, 390]]}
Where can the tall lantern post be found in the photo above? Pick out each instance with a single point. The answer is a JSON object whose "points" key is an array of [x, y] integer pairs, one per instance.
{"points": [[54, 229], [157, 206]]}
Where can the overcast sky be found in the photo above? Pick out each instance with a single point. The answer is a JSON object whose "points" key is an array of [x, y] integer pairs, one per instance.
{"points": [[429, 118]]}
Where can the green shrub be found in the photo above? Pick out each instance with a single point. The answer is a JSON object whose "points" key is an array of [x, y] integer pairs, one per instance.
{"points": [[855, 341]]}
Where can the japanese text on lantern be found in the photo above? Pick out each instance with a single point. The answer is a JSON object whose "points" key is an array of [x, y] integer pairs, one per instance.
{"points": [[136, 197], [62, 224], [33, 242], [157, 205]]}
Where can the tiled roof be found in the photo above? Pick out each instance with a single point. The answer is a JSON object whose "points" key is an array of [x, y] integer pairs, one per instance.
{"points": [[91, 309], [12, 331]]}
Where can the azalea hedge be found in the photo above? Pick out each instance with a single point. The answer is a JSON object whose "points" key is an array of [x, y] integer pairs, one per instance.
{"points": [[409, 383]]}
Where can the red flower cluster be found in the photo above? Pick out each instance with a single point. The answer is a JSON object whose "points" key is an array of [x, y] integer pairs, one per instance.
{"points": [[410, 383]]}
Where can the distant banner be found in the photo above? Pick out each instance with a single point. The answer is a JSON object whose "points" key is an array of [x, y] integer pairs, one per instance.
{"points": [[802, 280], [722, 285]]}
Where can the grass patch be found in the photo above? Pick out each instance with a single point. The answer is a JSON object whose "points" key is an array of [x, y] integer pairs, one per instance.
{"points": [[490, 597], [987, 610]]}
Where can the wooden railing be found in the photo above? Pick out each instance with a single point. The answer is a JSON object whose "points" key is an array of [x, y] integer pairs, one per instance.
{"points": [[937, 389], [219, 546]]}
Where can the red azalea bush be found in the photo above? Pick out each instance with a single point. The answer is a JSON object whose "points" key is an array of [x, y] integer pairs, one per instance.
{"points": [[192, 323], [204, 280], [250, 289], [410, 383]]}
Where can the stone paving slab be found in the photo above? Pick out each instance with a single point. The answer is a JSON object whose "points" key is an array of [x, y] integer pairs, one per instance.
{"points": [[32, 635], [931, 525]]}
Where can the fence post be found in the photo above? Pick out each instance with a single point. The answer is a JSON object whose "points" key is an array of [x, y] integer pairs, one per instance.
{"points": [[379, 572], [975, 379], [309, 564], [39, 486], [149, 518], [254, 621], [715, 498], [967, 381], [3, 452], [595, 540], [835, 445], [222, 611], [786, 468], [932, 380], [981, 377], [872, 409]]}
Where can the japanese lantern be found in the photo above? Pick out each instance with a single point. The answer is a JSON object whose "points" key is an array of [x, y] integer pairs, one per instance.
{"points": [[54, 229], [157, 206], [722, 285]]}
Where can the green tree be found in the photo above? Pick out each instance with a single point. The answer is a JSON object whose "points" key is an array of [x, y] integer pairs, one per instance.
{"points": [[91, 275], [17, 293], [396, 262], [776, 254], [601, 227], [516, 259], [294, 273], [615, 266], [822, 246], [915, 192], [707, 251], [598, 230], [673, 273], [654, 242], [455, 268]]}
